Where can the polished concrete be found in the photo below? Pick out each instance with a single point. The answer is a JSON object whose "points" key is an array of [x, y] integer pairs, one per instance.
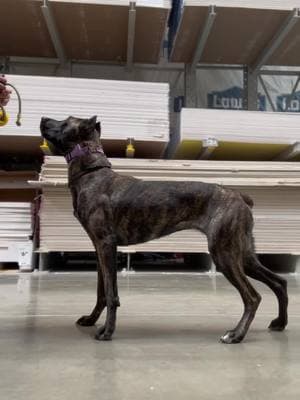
{"points": [[165, 347]]}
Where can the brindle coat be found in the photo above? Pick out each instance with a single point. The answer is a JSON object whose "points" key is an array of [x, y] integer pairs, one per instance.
{"points": [[121, 210]]}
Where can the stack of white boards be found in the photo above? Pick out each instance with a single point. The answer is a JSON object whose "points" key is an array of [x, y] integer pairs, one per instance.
{"points": [[15, 233], [250, 25], [135, 110], [274, 187], [236, 135]]}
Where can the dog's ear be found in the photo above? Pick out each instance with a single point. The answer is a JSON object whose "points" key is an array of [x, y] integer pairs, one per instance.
{"points": [[98, 127], [87, 126], [93, 121]]}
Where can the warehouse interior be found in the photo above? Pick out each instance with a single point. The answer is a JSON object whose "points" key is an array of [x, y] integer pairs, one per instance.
{"points": [[185, 91]]}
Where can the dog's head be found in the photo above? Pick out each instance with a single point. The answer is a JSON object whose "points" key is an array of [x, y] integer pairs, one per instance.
{"points": [[63, 136]]}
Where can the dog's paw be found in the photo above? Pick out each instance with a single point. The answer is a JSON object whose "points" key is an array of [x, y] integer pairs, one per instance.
{"points": [[277, 325], [104, 338], [101, 335], [231, 337], [86, 320]]}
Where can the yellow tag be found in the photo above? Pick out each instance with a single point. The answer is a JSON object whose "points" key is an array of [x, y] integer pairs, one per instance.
{"points": [[3, 120], [130, 151], [45, 148]]}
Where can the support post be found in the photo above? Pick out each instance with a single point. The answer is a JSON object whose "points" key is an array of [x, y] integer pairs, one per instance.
{"points": [[190, 81], [213, 269], [52, 28], [131, 34], [128, 262], [210, 19], [250, 90], [262, 82], [190, 87], [290, 98], [276, 41], [43, 262]]}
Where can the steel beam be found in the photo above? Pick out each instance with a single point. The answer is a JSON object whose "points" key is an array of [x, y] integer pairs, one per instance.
{"points": [[278, 72], [250, 90], [204, 36], [289, 23], [51, 25], [156, 67], [34, 60], [190, 87], [290, 98], [131, 34], [262, 82]]}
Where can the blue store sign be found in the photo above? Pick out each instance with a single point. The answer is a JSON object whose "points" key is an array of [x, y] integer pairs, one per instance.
{"points": [[282, 102], [231, 99]]}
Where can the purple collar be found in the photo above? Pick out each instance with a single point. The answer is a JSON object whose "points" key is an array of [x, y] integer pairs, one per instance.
{"points": [[79, 151]]}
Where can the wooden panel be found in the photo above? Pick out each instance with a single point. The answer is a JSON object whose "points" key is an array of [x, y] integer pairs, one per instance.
{"points": [[274, 188], [289, 52], [191, 25], [241, 135], [23, 30], [92, 31], [238, 36], [24, 145], [17, 195], [149, 34]]}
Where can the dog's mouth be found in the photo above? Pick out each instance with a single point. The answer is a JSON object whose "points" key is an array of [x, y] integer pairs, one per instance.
{"points": [[44, 128], [49, 134]]}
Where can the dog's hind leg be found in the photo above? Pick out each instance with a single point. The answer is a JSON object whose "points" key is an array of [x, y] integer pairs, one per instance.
{"points": [[249, 295], [107, 253], [254, 269], [226, 244]]}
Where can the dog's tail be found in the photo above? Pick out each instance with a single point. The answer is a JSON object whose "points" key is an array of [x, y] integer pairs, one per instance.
{"points": [[247, 199]]}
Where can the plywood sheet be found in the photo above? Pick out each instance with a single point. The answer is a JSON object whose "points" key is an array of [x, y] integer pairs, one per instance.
{"points": [[274, 187], [242, 30], [92, 31], [126, 109], [151, 24], [241, 135], [97, 30], [23, 30]]}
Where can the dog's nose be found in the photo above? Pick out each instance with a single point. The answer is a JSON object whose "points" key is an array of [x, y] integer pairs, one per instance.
{"points": [[44, 120], [43, 124]]}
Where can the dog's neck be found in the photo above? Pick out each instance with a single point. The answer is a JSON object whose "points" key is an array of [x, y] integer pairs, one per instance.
{"points": [[83, 149], [86, 157]]}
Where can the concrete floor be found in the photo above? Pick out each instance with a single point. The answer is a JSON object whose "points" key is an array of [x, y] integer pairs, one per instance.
{"points": [[166, 343]]}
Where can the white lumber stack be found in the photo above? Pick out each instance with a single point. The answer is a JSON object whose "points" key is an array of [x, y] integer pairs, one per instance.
{"points": [[246, 134], [15, 230], [126, 109], [274, 187]]}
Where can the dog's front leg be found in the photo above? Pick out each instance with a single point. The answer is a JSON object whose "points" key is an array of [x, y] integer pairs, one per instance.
{"points": [[89, 320], [107, 253]]}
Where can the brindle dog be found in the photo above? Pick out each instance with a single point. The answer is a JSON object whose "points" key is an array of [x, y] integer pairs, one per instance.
{"points": [[121, 210]]}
